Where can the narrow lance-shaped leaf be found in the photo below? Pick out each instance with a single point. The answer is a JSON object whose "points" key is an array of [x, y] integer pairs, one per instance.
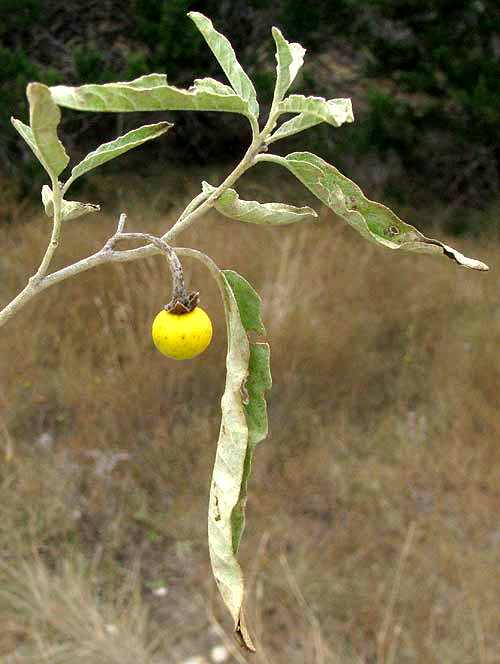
{"points": [[236, 439], [290, 58], [132, 96], [374, 221], [69, 209], [277, 214], [44, 120], [108, 151], [223, 51], [229, 467], [257, 384]]}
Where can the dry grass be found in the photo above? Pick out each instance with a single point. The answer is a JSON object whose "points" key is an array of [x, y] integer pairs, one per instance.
{"points": [[373, 531]]}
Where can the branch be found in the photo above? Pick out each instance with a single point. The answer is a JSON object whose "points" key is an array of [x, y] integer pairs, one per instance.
{"points": [[107, 254], [195, 209]]}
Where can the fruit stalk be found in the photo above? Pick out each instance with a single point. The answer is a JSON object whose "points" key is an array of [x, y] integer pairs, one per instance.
{"points": [[181, 302]]}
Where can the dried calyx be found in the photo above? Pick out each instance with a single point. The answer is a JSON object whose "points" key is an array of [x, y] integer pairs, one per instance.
{"points": [[183, 303]]}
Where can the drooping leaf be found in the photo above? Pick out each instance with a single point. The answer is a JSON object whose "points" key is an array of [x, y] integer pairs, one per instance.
{"points": [[249, 304], [131, 96], [44, 120], [223, 51], [230, 205], [290, 58], [374, 221], [69, 209], [243, 425], [229, 465], [333, 111], [120, 145], [257, 384], [252, 390]]}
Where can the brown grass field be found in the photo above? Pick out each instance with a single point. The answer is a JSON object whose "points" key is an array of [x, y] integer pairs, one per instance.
{"points": [[372, 534]]}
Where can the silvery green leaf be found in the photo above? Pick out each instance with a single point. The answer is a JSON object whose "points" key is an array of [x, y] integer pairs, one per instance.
{"points": [[148, 81], [211, 85], [69, 209], [374, 221], [249, 302], [223, 51], [333, 111], [229, 463], [230, 205], [119, 146], [124, 97], [27, 134], [294, 126], [44, 120], [243, 425], [258, 382], [290, 58]]}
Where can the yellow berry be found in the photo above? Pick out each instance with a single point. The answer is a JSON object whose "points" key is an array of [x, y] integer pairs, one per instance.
{"points": [[182, 336]]}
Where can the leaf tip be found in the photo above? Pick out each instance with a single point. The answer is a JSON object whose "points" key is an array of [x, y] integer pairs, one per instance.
{"points": [[35, 89]]}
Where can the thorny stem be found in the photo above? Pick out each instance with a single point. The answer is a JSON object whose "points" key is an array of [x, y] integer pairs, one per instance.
{"points": [[195, 209]]}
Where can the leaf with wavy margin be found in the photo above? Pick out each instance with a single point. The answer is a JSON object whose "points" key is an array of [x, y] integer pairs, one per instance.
{"points": [[257, 384], [26, 133], [212, 85], [290, 58], [294, 126], [115, 148], [132, 96], [374, 221], [243, 424], [333, 111], [275, 214], [223, 51], [41, 135], [69, 209]]}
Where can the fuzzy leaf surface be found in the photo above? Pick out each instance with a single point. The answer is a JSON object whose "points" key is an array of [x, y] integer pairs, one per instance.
{"points": [[212, 85], [258, 383], [290, 58], [223, 51], [27, 134], [45, 117], [246, 370], [69, 209], [108, 151], [374, 221], [132, 96], [333, 111], [252, 212], [294, 126]]}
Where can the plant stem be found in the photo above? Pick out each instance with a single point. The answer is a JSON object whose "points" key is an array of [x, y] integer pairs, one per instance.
{"points": [[248, 160], [195, 209], [273, 158], [56, 232]]}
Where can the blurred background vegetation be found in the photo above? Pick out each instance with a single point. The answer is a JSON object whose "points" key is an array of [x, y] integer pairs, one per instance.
{"points": [[423, 78], [372, 533]]}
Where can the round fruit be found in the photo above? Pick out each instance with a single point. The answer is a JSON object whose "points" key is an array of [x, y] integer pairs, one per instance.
{"points": [[182, 336]]}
